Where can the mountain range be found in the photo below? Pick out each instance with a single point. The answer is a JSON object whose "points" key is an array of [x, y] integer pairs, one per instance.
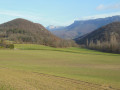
{"points": [[52, 27], [82, 27]]}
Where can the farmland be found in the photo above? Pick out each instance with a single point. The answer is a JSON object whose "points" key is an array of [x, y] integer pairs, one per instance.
{"points": [[36, 67]]}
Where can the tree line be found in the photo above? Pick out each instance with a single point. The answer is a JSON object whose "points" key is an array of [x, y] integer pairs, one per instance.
{"points": [[113, 45], [6, 44]]}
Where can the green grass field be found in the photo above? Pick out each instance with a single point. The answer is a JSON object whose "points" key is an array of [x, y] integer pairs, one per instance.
{"points": [[35, 67]]}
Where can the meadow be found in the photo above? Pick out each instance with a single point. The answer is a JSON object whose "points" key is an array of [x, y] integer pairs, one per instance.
{"points": [[37, 67]]}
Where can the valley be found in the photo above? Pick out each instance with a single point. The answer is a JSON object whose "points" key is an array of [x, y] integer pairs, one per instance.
{"points": [[60, 45], [34, 67]]}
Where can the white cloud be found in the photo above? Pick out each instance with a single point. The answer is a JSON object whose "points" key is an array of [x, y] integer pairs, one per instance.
{"points": [[100, 16], [9, 15], [100, 7], [108, 7], [19, 14], [38, 18]]}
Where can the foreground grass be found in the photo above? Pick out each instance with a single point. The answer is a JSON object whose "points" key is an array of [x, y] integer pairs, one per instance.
{"points": [[59, 69]]}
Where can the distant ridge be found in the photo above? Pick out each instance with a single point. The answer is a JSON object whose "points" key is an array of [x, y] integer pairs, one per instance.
{"points": [[24, 31], [82, 27]]}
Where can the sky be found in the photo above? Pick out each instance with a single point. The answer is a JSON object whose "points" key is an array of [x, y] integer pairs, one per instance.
{"points": [[57, 12]]}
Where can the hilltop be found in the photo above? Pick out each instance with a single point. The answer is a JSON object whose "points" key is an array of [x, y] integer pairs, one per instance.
{"points": [[24, 31]]}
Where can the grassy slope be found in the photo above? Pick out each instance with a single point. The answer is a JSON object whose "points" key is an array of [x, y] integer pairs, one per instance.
{"points": [[18, 67]]}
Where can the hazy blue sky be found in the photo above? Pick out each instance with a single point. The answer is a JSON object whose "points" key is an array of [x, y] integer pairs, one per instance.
{"points": [[57, 12]]}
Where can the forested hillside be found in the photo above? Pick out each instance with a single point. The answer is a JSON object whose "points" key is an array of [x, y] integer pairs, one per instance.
{"points": [[106, 38], [24, 31]]}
